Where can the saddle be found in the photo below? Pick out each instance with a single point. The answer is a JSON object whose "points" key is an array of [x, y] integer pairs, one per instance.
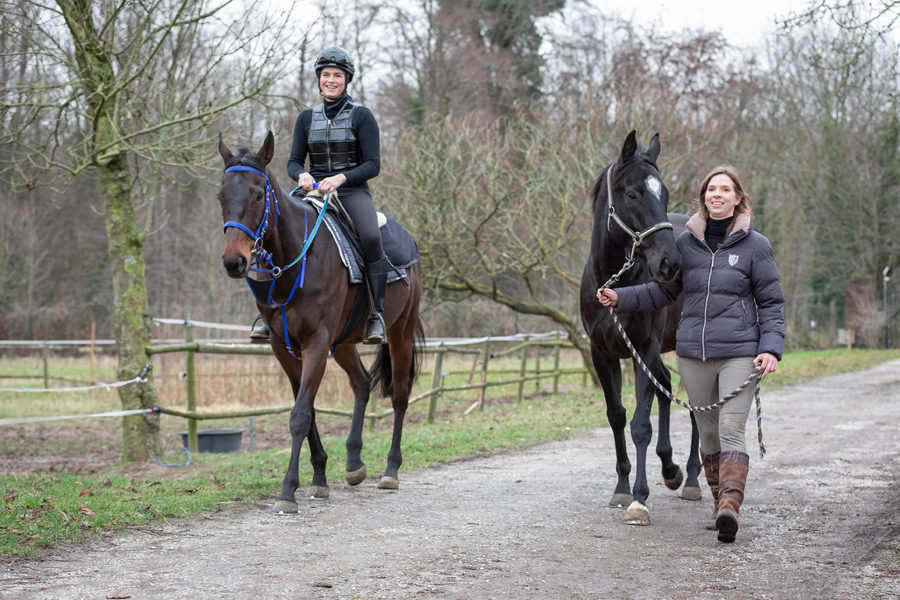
{"points": [[399, 245]]}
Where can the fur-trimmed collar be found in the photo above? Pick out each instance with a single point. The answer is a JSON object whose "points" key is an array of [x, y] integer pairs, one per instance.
{"points": [[697, 225]]}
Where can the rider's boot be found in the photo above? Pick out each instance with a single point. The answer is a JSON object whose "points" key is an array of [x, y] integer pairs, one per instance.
{"points": [[376, 275], [733, 467], [259, 334], [711, 469]]}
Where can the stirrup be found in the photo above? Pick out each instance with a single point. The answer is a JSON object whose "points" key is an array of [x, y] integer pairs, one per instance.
{"points": [[259, 335], [372, 333]]}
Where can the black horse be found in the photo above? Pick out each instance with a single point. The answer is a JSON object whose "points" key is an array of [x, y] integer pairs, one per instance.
{"points": [[631, 223], [307, 309]]}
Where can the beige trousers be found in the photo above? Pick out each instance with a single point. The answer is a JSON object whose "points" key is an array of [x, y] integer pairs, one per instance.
{"points": [[706, 382]]}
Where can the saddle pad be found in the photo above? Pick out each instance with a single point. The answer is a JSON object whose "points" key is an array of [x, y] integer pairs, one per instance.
{"points": [[399, 245]]}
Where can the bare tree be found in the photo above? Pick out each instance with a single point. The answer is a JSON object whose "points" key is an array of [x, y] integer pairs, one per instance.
{"points": [[467, 57], [117, 88], [863, 22], [827, 159]]}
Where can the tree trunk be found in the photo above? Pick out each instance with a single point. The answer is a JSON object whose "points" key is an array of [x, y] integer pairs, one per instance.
{"points": [[131, 311]]}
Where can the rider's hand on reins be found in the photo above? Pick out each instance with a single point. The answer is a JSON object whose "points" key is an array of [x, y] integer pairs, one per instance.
{"points": [[305, 181], [607, 297], [767, 362], [330, 184]]}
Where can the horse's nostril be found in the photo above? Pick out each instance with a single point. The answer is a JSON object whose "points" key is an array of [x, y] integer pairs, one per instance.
{"points": [[668, 269], [234, 265]]}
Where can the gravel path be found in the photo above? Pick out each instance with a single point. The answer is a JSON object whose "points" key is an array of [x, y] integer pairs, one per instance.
{"points": [[822, 520]]}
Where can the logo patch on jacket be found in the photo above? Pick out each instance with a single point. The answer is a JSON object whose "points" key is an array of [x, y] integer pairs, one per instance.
{"points": [[733, 259]]}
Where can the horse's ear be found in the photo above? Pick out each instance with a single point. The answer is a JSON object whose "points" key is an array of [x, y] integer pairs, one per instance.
{"points": [[630, 146], [224, 151], [653, 150], [267, 150]]}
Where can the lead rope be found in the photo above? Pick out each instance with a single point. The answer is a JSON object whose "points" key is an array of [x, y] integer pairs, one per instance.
{"points": [[716, 405]]}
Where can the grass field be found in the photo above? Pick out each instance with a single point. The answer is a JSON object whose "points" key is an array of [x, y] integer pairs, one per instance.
{"points": [[46, 507]]}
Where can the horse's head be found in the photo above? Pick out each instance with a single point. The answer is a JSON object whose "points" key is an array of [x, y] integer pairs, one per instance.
{"points": [[249, 205], [636, 201]]}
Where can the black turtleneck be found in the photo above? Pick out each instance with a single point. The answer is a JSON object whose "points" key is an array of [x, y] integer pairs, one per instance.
{"points": [[716, 230]]}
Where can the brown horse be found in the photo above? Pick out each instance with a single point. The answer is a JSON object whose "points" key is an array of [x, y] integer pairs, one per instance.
{"points": [[307, 307], [631, 226]]}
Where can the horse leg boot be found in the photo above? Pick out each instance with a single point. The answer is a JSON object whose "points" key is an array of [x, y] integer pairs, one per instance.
{"points": [[376, 275], [711, 469], [733, 467]]}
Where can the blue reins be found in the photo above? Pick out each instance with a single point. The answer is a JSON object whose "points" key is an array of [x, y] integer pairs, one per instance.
{"points": [[263, 255]]}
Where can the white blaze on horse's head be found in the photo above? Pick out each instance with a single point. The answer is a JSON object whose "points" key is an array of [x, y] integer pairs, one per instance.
{"points": [[654, 185]]}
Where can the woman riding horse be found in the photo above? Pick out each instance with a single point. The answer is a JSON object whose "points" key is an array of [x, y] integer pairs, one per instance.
{"points": [[341, 140]]}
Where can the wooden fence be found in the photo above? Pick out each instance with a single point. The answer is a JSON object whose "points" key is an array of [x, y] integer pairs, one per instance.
{"points": [[486, 350]]}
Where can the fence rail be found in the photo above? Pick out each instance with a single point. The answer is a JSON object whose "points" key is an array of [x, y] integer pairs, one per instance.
{"points": [[482, 350], [482, 355]]}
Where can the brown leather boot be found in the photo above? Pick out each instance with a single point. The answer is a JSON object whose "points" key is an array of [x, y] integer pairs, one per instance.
{"points": [[711, 469], [733, 467]]}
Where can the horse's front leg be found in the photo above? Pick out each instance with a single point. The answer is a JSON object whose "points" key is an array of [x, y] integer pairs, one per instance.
{"points": [[671, 472], [691, 489], [609, 373], [301, 424], [348, 358], [318, 489], [641, 433]]}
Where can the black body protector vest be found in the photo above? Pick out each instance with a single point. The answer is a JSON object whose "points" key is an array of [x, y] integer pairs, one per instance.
{"points": [[332, 144]]}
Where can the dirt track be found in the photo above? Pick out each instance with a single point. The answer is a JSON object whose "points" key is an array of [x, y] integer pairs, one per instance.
{"points": [[821, 520]]}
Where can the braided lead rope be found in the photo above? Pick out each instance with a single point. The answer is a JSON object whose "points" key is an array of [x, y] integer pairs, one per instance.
{"points": [[716, 405]]}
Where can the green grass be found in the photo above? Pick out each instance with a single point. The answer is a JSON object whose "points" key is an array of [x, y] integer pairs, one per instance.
{"points": [[43, 510]]}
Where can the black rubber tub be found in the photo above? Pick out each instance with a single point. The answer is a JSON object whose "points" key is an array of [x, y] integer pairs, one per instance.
{"points": [[216, 440]]}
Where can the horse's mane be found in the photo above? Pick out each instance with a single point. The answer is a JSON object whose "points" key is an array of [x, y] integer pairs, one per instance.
{"points": [[595, 189]]}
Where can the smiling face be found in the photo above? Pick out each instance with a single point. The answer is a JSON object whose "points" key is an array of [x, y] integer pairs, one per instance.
{"points": [[332, 83], [721, 197]]}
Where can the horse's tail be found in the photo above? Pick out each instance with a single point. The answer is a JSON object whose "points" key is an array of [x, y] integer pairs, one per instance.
{"points": [[381, 371]]}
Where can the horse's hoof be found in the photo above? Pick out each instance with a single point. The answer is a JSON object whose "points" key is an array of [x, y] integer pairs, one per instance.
{"points": [[637, 514], [356, 477], [318, 492], [675, 482], [389, 483], [691, 492], [285, 507], [620, 500]]}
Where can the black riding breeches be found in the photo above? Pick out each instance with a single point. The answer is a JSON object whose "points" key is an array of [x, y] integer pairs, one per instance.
{"points": [[358, 202]]}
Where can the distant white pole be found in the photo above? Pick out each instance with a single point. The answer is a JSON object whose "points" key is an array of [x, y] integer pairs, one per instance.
{"points": [[887, 309]]}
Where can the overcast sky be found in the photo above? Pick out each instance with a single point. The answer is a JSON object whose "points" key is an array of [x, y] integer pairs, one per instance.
{"points": [[744, 23]]}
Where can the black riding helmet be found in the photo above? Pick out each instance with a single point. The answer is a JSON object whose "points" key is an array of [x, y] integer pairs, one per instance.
{"points": [[335, 56]]}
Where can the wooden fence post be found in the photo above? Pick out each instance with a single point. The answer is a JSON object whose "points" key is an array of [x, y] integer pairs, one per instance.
{"points": [[191, 384], [435, 382], [93, 344], [522, 371], [537, 369], [485, 357], [556, 366], [44, 352]]}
